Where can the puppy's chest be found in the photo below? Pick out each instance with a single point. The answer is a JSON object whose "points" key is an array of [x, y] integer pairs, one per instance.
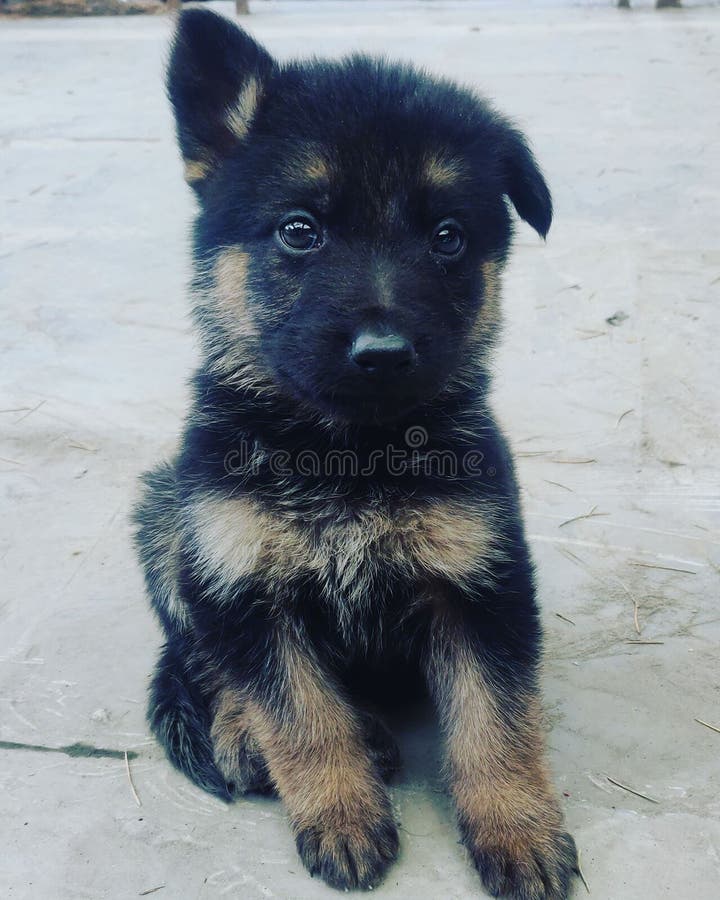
{"points": [[353, 554]]}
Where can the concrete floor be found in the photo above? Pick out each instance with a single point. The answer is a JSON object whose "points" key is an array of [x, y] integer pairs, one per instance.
{"points": [[607, 383]]}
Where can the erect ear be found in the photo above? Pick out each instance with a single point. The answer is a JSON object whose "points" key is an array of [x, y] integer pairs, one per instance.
{"points": [[214, 81], [524, 183]]}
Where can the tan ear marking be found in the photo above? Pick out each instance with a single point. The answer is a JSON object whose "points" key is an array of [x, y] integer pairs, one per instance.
{"points": [[240, 117], [196, 170]]}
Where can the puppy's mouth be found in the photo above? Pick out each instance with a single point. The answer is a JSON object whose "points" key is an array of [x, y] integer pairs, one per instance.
{"points": [[384, 405], [366, 410]]}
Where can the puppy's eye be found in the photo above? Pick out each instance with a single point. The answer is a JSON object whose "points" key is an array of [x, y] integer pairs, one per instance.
{"points": [[448, 240], [300, 233]]}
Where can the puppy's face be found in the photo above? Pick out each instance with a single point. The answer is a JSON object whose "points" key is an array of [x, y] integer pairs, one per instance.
{"points": [[353, 218]]}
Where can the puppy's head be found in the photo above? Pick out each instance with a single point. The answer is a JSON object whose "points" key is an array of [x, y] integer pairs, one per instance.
{"points": [[353, 217]]}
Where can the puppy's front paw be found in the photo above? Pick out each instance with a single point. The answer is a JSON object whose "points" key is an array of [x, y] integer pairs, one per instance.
{"points": [[526, 866], [351, 854]]}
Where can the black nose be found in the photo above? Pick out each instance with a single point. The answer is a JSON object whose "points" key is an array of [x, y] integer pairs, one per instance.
{"points": [[387, 354]]}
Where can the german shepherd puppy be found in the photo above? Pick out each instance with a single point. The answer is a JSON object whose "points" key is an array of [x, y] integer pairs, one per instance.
{"points": [[342, 510]]}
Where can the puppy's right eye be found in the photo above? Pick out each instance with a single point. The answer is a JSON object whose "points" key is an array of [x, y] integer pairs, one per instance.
{"points": [[448, 240], [300, 234]]}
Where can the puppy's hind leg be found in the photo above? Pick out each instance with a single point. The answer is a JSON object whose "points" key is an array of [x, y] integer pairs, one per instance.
{"points": [[178, 713], [180, 719], [237, 754]]}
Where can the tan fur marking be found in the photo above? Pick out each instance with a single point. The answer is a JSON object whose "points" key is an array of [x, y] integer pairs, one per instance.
{"points": [[165, 541], [497, 768], [223, 299], [491, 274], [230, 283], [442, 172], [229, 728], [236, 537], [485, 329], [240, 117], [489, 318], [236, 752], [196, 170], [315, 754], [169, 577], [316, 169], [456, 540]]}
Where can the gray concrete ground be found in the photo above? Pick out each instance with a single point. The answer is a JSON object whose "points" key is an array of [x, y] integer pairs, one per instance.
{"points": [[607, 383]]}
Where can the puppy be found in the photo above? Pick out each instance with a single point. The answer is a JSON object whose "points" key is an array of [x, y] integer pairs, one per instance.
{"points": [[342, 509]]}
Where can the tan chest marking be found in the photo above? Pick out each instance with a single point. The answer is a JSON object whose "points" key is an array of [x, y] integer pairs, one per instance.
{"points": [[237, 538]]}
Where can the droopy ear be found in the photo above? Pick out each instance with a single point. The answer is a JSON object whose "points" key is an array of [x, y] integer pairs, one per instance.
{"points": [[214, 81], [525, 185]]}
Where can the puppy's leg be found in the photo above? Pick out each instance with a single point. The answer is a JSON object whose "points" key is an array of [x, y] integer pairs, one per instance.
{"points": [[178, 711], [237, 754], [312, 741], [490, 710], [180, 719]]}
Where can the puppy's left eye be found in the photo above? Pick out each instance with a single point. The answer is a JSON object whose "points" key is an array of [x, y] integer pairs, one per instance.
{"points": [[448, 240], [300, 233]]}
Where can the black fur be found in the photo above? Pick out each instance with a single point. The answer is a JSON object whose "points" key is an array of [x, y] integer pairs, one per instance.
{"points": [[377, 154], [179, 717]]}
